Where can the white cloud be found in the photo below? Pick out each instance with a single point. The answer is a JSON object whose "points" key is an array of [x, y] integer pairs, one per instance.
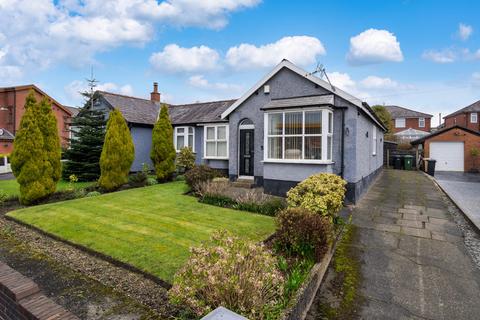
{"points": [[302, 50], [464, 31], [177, 59], [444, 56], [199, 81], [374, 46], [73, 90], [36, 34], [374, 82]]}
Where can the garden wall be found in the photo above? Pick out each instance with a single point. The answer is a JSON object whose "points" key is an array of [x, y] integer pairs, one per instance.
{"points": [[21, 299]]}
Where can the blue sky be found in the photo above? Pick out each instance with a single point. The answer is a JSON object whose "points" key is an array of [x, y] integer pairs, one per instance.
{"points": [[419, 54]]}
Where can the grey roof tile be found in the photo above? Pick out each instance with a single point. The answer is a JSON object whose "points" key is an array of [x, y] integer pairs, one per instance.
{"points": [[201, 112], [474, 107], [135, 110], [401, 112]]}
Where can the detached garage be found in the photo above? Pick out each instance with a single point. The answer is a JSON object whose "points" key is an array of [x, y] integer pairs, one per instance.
{"points": [[451, 148]]}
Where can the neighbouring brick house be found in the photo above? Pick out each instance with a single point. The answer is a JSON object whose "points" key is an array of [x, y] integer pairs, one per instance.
{"points": [[466, 117], [409, 124], [451, 147], [12, 108]]}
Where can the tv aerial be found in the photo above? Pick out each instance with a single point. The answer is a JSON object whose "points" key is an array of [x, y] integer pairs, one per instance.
{"points": [[320, 69]]}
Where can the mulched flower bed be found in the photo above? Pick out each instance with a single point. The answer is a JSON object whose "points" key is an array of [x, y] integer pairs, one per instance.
{"points": [[42, 249]]}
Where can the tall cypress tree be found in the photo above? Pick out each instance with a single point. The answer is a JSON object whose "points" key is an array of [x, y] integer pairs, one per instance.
{"points": [[29, 160], [117, 154], [163, 151], [47, 122], [83, 155]]}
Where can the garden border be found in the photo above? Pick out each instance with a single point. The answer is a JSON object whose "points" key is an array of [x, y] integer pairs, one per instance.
{"points": [[305, 295], [94, 253]]}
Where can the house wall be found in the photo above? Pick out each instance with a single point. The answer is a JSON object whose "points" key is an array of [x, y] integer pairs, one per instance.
{"points": [[142, 140], [457, 135], [413, 123], [10, 120], [463, 120]]}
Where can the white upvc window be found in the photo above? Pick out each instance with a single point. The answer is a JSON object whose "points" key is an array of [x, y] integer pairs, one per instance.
{"points": [[299, 135], [421, 122], [374, 140], [473, 117], [216, 141], [400, 123], [184, 137]]}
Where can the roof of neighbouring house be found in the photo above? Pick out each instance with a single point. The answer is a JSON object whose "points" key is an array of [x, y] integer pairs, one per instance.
{"points": [[143, 111], [6, 135], [436, 133], [134, 110], [73, 110], [474, 107], [401, 112], [200, 112]]}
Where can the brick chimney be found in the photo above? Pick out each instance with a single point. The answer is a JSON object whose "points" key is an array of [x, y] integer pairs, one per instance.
{"points": [[155, 95]]}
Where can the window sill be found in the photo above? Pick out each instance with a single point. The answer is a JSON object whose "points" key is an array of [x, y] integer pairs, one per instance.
{"points": [[215, 158], [299, 161]]}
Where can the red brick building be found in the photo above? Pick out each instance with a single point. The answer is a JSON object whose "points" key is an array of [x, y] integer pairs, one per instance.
{"points": [[409, 124], [12, 108], [466, 117]]}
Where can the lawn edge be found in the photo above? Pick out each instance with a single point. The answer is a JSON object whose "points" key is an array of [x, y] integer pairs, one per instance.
{"points": [[94, 253]]}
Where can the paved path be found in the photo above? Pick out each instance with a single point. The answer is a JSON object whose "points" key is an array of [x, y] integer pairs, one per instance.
{"points": [[464, 190], [414, 262]]}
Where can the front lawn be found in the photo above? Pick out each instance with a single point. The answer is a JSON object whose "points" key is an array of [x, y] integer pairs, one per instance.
{"points": [[12, 188], [151, 228]]}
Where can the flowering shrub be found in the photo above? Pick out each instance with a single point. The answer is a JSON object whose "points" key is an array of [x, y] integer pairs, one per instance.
{"points": [[151, 181], [320, 193], [198, 174], [237, 274], [185, 159], [301, 232]]}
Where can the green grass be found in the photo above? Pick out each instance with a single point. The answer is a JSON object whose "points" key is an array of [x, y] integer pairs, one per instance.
{"points": [[151, 228], [12, 188]]}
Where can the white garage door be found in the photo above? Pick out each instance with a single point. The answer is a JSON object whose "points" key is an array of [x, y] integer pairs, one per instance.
{"points": [[449, 155]]}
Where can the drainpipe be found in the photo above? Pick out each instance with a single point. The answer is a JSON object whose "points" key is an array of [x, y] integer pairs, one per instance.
{"points": [[342, 160], [14, 110]]}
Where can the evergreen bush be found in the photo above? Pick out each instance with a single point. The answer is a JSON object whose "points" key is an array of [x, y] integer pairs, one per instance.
{"points": [[185, 159], [117, 154], [163, 151]]}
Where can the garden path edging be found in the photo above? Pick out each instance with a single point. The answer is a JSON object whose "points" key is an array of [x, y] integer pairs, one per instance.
{"points": [[94, 253], [306, 293]]}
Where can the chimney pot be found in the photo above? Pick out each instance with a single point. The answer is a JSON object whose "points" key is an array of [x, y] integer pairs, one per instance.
{"points": [[155, 95]]}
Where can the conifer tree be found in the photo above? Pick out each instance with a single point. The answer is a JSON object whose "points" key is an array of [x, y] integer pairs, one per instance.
{"points": [[117, 154], [88, 134], [29, 160], [163, 151], [47, 123]]}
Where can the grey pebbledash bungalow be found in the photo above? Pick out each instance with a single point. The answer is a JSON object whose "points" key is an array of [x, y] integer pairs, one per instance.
{"points": [[288, 126]]}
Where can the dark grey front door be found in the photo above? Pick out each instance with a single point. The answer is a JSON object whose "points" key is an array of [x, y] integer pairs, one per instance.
{"points": [[246, 152]]}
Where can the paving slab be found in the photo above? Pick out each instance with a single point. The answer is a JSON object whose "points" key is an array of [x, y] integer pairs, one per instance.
{"points": [[416, 267]]}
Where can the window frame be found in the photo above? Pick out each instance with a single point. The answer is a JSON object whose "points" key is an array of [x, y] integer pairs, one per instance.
{"points": [[374, 140], [324, 136], [476, 117], [216, 140], [404, 122], [420, 122], [185, 135]]}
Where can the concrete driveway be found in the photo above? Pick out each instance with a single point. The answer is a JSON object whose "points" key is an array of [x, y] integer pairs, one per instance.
{"points": [[464, 190]]}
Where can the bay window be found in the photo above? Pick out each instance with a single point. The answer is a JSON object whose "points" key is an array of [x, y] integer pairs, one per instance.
{"points": [[299, 135], [216, 141], [184, 137]]}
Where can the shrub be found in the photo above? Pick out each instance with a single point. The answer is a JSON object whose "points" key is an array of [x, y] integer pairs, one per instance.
{"points": [[301, 232], [117, 154], [237, 274], [259, 202], [199, 174], [92, 194], [151, 181], [163, 152], [320, 193], [185, 159], [3, 196], [139, 178]]}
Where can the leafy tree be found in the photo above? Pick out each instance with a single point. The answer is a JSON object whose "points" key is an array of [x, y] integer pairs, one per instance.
{"points": [[117, 154], [29, 160], [163, 152], [47, 123], [88, 134], [383, 114]]}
